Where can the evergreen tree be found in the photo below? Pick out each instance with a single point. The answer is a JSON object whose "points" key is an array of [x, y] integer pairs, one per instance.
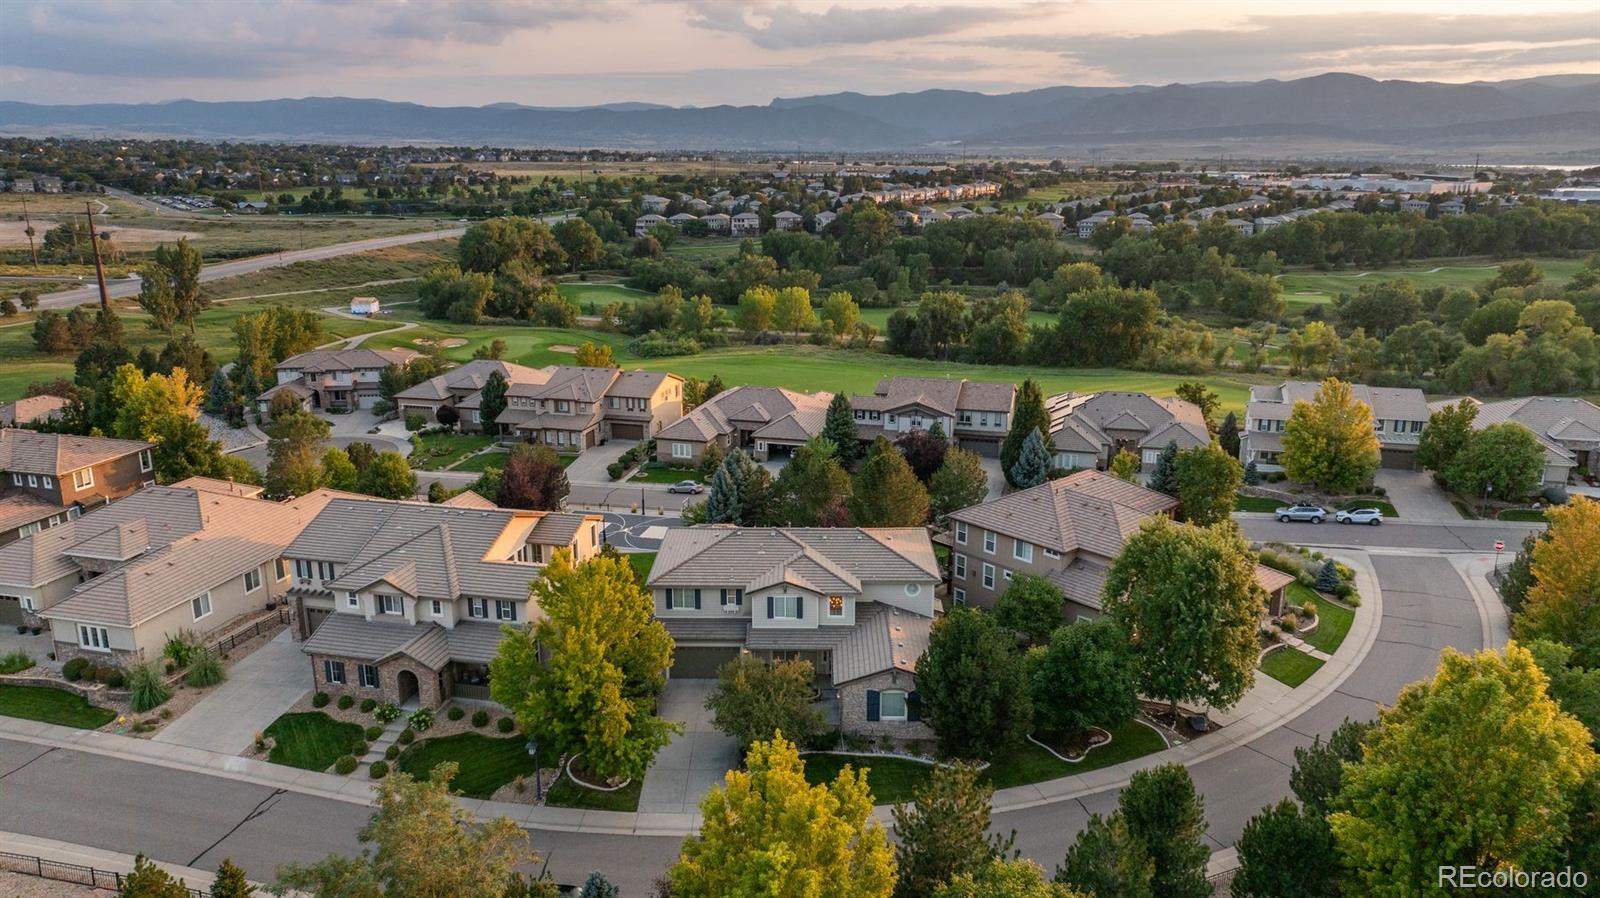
{"points": [[945, 833], [1518, 578], [1027, 416], [1252, 474], [1318, 771], [886, 492], [230, 882], [1228, 435], [1164, 811], [973, 684], [1107, 859], [812, 488], [1285, 851], [1033, 463], [1328, 577], [724, 506], [492, 401], [149, 881], [839, 426], [597, 886], [1164, 479]]}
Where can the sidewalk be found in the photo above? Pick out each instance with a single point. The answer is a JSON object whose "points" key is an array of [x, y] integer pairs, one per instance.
{"points": [[100, 859]]}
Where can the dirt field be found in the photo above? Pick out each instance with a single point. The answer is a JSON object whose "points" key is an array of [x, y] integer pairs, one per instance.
{"points": [[14, 233]]}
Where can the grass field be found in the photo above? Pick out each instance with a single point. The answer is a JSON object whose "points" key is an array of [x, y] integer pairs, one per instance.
{"points": [[392, 263], [482, 461], [597, 295], [1334, 619], [700, 248], [1256, 503], [1304, 288], [641, 562], [567, 794], [486, 762], [437, 451], [525, 345], [1289, 665], [890, 779], [1531, 515], [56, 706], [656, 472], [311, 740]]}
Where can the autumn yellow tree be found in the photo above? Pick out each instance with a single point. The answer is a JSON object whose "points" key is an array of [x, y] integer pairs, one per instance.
{"points": [[592, 355], [1329, 441], [1563, 604], [144, 403], [768, 832]]}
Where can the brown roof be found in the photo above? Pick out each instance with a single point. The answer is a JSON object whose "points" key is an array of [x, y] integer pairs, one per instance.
{"points": [[828, 559], [32, 408], [225, 487], [347, 359], [755, 407], [55, 454], [1272, 579], [20, 507], [1087, 510]]}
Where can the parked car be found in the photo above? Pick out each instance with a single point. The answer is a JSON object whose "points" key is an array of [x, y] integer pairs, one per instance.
{"points": [[1360, 516], [1312, 513], [687, 486]]}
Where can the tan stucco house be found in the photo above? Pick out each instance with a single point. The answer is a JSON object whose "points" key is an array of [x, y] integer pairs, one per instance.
{"points": [[1089, 430], [1398, 416], [572, 409], [335, 380], [974, 415], [767, 422]]}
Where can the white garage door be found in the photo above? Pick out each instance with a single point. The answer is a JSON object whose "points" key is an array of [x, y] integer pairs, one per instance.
{"points": [[368, 401]]}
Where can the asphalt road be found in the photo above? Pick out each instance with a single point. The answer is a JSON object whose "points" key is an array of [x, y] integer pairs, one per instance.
{"points": [[1473, 536], [216, 271]]}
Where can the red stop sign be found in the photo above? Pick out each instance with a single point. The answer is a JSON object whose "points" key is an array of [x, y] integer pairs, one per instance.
{"points": [[1498, 545]]}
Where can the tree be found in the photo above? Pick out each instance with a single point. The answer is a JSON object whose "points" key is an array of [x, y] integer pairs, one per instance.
{"points": [[1164, 477], [840, 314], [1447, 432], [597, 886], [1033, 463], [1202, 397], [839, 426], [1318, 772], [1163, 811], [169, 286], [1019, 878], [885, 492], [590, 355], [960, 482], [184, 449], [768, 832], [580, 242], [756, 309], [924, 450], [1228, 435], [420, 844], [1329, 441], [1108, 860], [755, 700], [1406, 809], [447, 416], [338, 472], [1084, 677], [494, 349], [1562, 604], [8, 308], [1208, 481], [29, 298], [142, 403], [1504, 460], [594, 689], [492, 400], [1188, 600], [1285, 852], [1576, 689], [1027, 416], [389, 476], [149, 881], [231, 882], [361, 455], [742, 492], [972, 685], [1125, 465], [812, 490], [945, 833], [491, 245], [1031, 605], [51, 335], [792, 310], [293, 468], [533, 478]]}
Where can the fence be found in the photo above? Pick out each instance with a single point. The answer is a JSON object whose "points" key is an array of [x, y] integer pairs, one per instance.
{"points": [[33, 865], [228, 643]]}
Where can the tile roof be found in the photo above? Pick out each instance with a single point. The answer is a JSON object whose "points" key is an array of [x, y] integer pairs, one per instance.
{"points": [[639, 384], [470, 378], [29, 409], [1387, 403], [832, 559], [55, 454], [225, 487], [942, 395], [168, 513], [19, 508], [318, 360], [1555, 420], [755, 408], [1088, 510], [1079, 423]]}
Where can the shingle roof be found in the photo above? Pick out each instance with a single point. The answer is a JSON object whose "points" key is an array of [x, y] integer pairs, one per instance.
{"points": [[1087, 510], [346, 359], [834, 559], [32, 408], [32, 452]]}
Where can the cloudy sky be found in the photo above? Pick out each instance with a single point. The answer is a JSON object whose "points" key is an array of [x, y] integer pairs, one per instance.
{"points": [[706, 52]]}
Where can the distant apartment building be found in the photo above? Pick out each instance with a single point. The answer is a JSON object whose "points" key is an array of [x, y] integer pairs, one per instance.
{"points": [[1398, 416], [643, 224]]}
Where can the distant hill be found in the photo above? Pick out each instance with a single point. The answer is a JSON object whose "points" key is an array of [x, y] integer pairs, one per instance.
{"points": [[1557, 115]]}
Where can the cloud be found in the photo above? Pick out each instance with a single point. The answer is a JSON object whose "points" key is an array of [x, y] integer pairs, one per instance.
{"points": [[781, 26]]}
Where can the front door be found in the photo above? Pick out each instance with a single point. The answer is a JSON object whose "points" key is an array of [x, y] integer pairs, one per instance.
{"points": [[408, 686]]}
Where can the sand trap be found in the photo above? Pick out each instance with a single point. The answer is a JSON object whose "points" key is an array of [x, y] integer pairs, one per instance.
{"points": [[562, 347], [445, 343], [14, 233]]}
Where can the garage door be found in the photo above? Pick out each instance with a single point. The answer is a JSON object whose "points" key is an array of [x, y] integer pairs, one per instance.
{"points": [[315, 617], [701, 662], [986, 448], [1399, 458], [627, 431], [10, 611], [368, 401]]}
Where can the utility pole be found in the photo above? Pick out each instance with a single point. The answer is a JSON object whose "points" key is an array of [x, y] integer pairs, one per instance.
{"points": [[27, 228], [99, 269]]}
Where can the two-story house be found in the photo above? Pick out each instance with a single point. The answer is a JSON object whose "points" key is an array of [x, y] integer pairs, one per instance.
{"points": [[195, 557], [573, 409], [461, 389], [1398, 416], [767, 422], [47, 479], [334, 380], [858, 603], [1568, 428], [973, 415], [403, 601], [1089, 430]]}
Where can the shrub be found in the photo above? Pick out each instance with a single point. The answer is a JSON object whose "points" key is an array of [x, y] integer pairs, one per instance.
{"points": [[480, 718], [414, 422], [358, 747], [115, 679], [1328, 578], [146, 688], [102, 673], [73, 670], [615, 470], [205, 670], [392, 752], [456, 712], [420, 720], [14, 662], [1290, 623], [180, 648], [386, 713], [345, 765], [346, 702], [506, 725], [367, 704], [373, 732], [320, 700], [1309, 608], [378, 770]]}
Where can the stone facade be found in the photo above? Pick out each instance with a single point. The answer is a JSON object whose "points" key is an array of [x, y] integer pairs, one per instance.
{"points": [[66, 651], [430, 689], [853, 707]]}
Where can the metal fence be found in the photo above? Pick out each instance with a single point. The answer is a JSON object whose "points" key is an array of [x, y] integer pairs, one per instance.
{"points": [[32, 865], [228, 643]]}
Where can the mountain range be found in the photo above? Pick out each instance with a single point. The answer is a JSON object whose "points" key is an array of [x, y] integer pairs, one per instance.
{"points": [[1554, 116]]}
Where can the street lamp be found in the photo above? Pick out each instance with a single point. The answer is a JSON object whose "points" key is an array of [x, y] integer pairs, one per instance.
{"points": [[538, 779]]}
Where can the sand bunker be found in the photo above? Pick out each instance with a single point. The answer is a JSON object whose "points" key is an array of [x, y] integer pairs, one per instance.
{"points": [[445, 343], [562, 347]]}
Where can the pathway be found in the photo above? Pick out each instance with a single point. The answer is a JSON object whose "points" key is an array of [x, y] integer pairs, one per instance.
{"points": [[259, 688], [376, 751], [695, 760]]}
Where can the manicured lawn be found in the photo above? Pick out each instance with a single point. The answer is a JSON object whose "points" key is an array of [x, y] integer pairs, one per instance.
{"points": [[1334, 619], [698, 248], [311, 740], [482, 460], [531, 346], [56, 706], [641, 562], [1289, 665], [655, 472], [437, 451], [1534, 515], [1385, 507], [1256, 503], [1309, 287], [890, 779], [486, 762], [591, 297], [567, 794]]}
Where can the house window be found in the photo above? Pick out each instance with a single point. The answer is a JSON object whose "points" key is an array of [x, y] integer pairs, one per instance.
{"points": [[1007, 574], [960, 596], [1051, 553], [958, 566], [94, 638], [200, 605], [1416, 427], [389, 605], [966, 418], [146, 464], [1151, 456], [18, 480], [988, 575], [836, 606], [1377, 424], [302, 569], [281, 569], [1022, 551], [33, 480], [961, 532], [913, 589], [51, 481], [325, 570], [367, 675], [83, 479], [783, 607], [351, 600], [681, 599], [682, 450], [892, 705], [252, 580], [333, 672], [1263, 424], [478, 608], [988, 541], [732, 598], [438, 608], [505, 611]]}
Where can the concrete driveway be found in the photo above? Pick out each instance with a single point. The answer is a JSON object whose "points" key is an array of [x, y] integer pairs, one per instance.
{"points": [[1416, 497], [37, 647], [695, 760], [257, 690]]}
